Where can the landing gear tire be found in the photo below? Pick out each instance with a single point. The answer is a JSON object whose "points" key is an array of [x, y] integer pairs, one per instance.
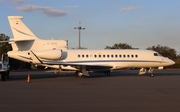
{"points": [[79, 74], [3, 76], [151, 75]]}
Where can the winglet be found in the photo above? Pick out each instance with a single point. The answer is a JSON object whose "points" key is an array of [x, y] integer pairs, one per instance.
{"points": [[34, 58]]}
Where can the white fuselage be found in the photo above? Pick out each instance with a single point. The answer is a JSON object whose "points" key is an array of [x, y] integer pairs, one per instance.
{"points": [[116, 58]]}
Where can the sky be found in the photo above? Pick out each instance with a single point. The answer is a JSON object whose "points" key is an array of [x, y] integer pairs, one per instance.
{"points": [[139, 23]]}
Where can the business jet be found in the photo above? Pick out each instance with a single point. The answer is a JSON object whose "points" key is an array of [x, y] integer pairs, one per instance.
{"points": [[55, 53]]}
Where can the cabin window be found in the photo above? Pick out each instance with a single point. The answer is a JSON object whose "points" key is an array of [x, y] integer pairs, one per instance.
{"points": [[132, 56], [99, 56], [120, 56], [116, 55], [104, 56], [78, 56], [83, 56], [155, 54], [136, 56], [112, 56], [128, 55], [108, 56], [124, 55], [87, 55], [95, 56]]}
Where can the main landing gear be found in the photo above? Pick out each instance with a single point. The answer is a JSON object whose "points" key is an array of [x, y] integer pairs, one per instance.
{"points": [[108, 73], [78, 73], [151, 72], [82, 72]]}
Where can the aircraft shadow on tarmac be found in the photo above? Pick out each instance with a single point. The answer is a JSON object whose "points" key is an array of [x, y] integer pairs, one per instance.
{"points": [[42, 74], [36, 74]]}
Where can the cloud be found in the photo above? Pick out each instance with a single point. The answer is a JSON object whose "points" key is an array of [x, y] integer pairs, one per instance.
{"points": [[17, 1], [54, 12], [13, 1], [144, 18], [48, 11], [128, 9], [69, 6]]}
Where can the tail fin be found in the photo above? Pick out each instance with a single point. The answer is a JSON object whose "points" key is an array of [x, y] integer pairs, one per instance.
{"points": [[23, 36], [19, 29], [24, 39]]}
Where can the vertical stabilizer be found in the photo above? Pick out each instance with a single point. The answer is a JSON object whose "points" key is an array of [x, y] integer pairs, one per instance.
{"points": [[24, 38], [19, 29]]}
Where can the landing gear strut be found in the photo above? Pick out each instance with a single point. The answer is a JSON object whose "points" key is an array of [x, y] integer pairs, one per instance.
{"points": [[82, 72], [108, 73], [151, 72]]}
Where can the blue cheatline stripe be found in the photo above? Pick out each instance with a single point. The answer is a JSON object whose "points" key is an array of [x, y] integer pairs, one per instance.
{"points": [[93, 61], [84, 61]]}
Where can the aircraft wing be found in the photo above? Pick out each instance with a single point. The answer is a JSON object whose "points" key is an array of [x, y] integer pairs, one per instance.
{"points": [[13, 40], [78, 65]]}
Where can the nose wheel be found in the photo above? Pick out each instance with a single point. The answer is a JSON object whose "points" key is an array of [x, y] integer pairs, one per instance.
{"points": [[151, 75]]}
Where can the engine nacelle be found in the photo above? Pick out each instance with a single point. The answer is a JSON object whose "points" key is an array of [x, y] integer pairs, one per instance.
{"points": [[49, 54]]}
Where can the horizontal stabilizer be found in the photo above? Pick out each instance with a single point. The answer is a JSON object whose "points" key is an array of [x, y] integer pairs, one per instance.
{"points": [[15, 40]]}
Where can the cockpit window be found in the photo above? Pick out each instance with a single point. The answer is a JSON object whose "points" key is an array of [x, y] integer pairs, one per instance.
{"points": [[155, 54], [159, 54]]}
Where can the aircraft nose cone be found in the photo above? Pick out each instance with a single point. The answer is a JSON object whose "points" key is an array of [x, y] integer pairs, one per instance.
{"points": [[172, 62], [168, 62]]}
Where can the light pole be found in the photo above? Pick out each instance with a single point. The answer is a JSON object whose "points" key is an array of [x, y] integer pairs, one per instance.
{"points": [[79, 28]]}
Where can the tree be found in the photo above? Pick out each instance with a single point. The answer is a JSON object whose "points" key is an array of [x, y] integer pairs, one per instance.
{"points": [[120, 46], [4, 47], [164, 51], [177, 59]]}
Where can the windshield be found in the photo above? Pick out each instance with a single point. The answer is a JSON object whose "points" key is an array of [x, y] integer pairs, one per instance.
{"points": [[157, 54]]}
